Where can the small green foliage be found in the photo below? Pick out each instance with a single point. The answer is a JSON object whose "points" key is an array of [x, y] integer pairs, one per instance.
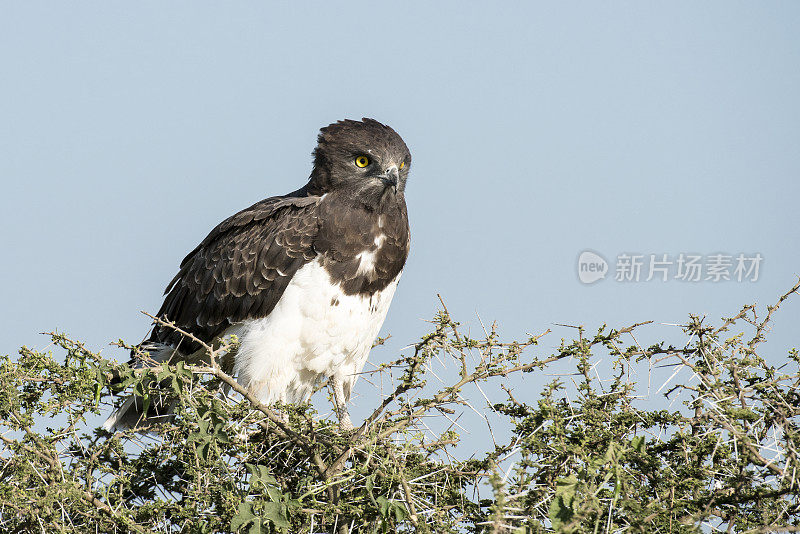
{"points": [[587, 452], [561, 506]]}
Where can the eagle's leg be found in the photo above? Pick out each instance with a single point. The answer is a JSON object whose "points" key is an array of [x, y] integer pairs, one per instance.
{"points": [[340, 404]]}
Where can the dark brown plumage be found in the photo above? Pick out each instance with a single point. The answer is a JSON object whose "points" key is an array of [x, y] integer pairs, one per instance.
{"points": [[240, 270], [337, 245]]}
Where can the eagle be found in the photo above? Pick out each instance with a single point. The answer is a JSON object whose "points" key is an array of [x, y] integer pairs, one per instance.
{"points": [[303, 280]]}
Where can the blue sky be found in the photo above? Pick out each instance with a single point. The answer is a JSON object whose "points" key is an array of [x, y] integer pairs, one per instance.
{"points": [[538, 131]]}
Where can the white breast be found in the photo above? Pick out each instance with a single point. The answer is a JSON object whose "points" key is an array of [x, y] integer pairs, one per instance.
{"points": [[315, 331]]}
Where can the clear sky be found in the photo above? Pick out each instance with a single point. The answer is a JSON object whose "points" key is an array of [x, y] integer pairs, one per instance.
{"points": [[538, 131]]}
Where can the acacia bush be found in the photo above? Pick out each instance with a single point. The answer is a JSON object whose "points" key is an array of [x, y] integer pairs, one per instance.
{"points": [[586, 454]]}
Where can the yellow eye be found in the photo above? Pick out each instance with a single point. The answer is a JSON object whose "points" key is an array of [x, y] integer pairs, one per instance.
{"points": [[362, 161], [402, 164]]}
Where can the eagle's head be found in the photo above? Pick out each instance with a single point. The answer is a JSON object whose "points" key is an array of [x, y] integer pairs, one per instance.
{"points": [[366, 159]]}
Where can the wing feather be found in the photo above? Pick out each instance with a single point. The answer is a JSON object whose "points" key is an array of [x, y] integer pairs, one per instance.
{"points": [[240, 270]]}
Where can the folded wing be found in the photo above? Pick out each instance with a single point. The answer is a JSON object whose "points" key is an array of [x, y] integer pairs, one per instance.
{"points": [[240, 270]]}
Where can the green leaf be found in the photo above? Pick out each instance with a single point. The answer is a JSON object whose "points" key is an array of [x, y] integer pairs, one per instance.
{"points": [[400, 512], [98, 392], [611, 453], [260, 476], [176, 385], [383, 502], [274, 512], [203, 450], [567, 487], [243, 517], [561, 510], [273, 494], [146, 401], [182, 370], [164, 373]]}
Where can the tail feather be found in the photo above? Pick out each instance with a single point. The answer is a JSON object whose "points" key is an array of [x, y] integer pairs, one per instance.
{"points": [[121, 419], [131, 414]]}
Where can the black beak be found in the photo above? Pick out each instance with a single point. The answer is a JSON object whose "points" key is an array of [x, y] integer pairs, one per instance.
{"points": [[391, 177]]}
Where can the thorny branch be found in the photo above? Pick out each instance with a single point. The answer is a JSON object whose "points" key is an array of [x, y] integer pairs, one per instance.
{"points": [[583, 454]]}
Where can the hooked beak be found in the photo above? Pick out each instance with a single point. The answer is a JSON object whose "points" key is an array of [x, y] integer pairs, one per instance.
{"points": [[391, 177]]}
